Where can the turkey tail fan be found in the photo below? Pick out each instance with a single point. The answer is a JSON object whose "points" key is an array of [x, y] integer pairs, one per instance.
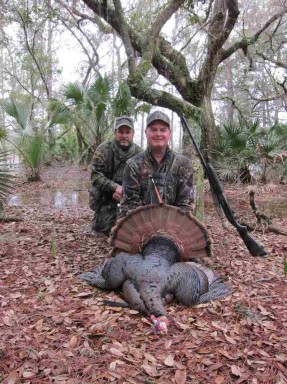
{"points": [[133, 231]]}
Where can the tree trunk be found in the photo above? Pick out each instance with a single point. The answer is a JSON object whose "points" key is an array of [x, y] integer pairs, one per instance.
{"points": [[208, 127]]}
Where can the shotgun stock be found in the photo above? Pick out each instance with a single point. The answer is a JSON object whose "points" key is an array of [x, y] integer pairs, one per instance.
{"points": [[254, 248]]}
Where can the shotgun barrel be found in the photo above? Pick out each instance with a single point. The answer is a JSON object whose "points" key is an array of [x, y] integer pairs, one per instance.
{"points": [[252, 245]]}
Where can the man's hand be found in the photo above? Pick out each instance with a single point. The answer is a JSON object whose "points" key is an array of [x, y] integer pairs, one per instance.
{"points": [[118, 193]]}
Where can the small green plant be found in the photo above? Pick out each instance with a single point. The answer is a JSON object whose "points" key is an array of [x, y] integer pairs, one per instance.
{"points": [[32, 155], [65, 147], [53, 246], [285, 264]]}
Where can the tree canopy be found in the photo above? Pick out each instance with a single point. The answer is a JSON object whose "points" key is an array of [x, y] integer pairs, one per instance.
{"points": [[214, 26]]}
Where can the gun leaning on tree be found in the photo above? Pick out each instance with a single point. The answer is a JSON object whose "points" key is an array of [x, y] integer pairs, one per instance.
{"points": [[254, 248]]}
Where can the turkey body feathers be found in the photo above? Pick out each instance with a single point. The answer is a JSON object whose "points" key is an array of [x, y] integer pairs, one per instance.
{"points": [[150, 279]]}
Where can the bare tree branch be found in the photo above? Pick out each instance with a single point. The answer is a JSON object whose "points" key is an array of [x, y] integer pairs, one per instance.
{"points": [[22, 85], [166, 60], [220, 28], [96, 19], [156, 52], [31, 50], [163, 17], [277, 62], [125, 36], [245, 42]]}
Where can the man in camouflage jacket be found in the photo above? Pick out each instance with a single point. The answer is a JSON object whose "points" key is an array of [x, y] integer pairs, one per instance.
{"points": [[107, 174], [172, 173]]}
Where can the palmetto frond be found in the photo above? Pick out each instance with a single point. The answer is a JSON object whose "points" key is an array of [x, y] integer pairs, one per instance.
{"points": [[60, 113], [280, 130], [32, 150], [228, 170], [247, 147], [75, 92], [27, 140], [20, 110], [271, 145], [239, 137], [92, 109], [100, 90]]}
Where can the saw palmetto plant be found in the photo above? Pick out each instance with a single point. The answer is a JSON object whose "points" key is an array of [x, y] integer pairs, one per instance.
{"points": [[88, 111], [29, 136], [91, 110], [245, 149], [25, 137], [272, 150]]}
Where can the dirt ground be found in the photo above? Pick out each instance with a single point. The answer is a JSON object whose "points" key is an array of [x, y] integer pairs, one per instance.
{"points": [[55, 329]]}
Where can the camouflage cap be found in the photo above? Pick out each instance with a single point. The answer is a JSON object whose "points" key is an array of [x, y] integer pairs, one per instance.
{"points": [[124, 120], [157, 115]]}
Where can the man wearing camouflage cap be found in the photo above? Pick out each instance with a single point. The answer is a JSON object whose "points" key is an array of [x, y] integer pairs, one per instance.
{"points": [[172, 173], [107, 174]]}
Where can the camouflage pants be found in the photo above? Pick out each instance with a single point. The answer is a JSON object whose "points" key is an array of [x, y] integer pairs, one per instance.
{"points": [[105, 208], [106, 211], [105, 217]]}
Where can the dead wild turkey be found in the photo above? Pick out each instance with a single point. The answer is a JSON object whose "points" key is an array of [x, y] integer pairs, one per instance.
{"points": [[157, 242]]}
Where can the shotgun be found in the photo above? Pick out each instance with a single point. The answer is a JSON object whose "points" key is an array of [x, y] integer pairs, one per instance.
{"points": [[254, 248]]}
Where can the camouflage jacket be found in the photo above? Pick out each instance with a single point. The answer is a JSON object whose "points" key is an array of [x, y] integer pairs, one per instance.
{"points": [[108, 166], [173, 178]]}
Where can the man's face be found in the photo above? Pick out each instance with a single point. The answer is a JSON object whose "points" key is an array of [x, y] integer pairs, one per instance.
{"points": [[158, 135], [124, 136]]}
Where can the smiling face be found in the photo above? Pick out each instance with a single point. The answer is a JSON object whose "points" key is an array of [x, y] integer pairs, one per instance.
{"points": [[158, 135], [124, 136]]}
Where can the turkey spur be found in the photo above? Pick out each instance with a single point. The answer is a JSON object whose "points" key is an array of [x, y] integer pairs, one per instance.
{"points": [[155, 276]]}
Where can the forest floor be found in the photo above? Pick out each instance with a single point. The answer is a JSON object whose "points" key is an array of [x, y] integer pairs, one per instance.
{"points": [[55, 328]]}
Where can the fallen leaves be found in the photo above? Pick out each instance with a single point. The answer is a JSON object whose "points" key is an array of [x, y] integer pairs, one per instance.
{"points": [[169, 361], [54, 328], [116, 352], [12, 378], [219, 380], [7, 320], [74, 342], [151, 370], [180, 376]]}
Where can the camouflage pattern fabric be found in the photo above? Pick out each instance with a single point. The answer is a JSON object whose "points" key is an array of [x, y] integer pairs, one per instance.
{"points": [[107, 173], [105, 216], [173, 178]]}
